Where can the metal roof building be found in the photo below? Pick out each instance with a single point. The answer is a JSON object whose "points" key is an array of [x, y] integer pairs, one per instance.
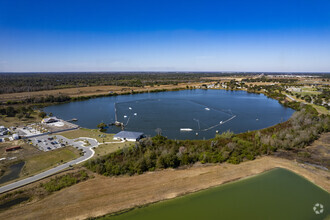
{"points": [[128, 136], [49, 120]]}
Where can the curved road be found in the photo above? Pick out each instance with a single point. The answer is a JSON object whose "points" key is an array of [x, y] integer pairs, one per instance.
{"points": [[89, 152]]}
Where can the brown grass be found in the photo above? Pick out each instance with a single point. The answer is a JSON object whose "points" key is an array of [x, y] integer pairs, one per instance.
{"points": [[89, 91], [14, 121], [46, 160], [103, 195]]}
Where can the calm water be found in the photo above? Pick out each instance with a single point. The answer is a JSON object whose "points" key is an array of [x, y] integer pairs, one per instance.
{"points": [[14, 172], [203, 111], [277, 194]]}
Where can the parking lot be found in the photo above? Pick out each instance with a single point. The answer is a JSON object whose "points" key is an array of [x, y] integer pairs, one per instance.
{"points": [[52, 142], [47, 142]]}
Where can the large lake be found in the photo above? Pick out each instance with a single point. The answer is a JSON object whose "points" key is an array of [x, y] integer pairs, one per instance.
{"points": [[277, 194], [203, 111]]}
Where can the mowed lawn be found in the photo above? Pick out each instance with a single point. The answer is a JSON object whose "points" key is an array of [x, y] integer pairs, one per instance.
{"points": [[91, 133], [49, 159], [104, 148]]}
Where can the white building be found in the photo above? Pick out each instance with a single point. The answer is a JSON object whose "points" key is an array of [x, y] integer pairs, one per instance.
{"points": [[128, 136], [3, 130], [294, 89], [15, 137], [49, 120]]}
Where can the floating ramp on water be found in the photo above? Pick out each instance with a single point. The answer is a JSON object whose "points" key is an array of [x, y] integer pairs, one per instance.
{"points": [[186, 129], [220, 123]]}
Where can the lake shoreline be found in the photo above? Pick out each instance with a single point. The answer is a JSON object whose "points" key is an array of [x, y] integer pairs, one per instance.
{"points": [[325, 187], [199, 110]]}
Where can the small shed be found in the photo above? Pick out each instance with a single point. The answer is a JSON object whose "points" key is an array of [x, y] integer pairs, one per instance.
{"points": [[13, 148], [49, 120], [128, 136]]}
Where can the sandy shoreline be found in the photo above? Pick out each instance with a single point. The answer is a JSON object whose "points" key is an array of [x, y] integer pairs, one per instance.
{"points": [[103, 195]]}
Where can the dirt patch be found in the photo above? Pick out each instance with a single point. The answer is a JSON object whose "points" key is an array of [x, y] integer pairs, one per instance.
{"points": [[103, 195]]}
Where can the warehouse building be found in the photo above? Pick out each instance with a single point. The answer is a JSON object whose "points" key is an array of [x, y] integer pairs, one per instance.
{"points": [[128, 136]]}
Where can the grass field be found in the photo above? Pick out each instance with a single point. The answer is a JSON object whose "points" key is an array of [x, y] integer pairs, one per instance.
{"points": [[104, 149], [89, 91], [46, 160], [91, 133], [320, 109], [14, 121], [101, 137]]}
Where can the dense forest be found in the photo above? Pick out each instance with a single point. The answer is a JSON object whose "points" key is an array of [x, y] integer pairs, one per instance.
{"points": [[159, 152], [27, 82]]}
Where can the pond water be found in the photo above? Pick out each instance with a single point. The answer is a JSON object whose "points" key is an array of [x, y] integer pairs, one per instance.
{"points": [[276, 194], [200, 111], [14, 171], [13, 202]]}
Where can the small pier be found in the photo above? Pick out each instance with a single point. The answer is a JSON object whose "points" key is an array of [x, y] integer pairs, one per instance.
{"points": [[74, 119]]}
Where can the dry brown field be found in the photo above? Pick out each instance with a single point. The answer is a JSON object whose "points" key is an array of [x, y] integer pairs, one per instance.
{"points": [[89, 91], [102, 195]]}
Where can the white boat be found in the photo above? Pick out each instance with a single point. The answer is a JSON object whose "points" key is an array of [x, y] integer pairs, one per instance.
{"points": [[207, 109], [221, 122], [135, 114], [186, 129], [125, 116], [129, 108]]}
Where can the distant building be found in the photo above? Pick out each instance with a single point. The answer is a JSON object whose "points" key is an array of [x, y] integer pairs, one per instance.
{"points": [[128, 136], [49, 120], [204, 86], [13, 148], [294, 89], [15, 137], [3, 130]]}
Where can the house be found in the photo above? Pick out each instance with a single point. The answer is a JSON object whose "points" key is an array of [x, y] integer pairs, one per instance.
{"points": [[128, 136], [49, 120]]}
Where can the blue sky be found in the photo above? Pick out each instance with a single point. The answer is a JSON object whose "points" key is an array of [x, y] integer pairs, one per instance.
{"points": [[157, 35]]}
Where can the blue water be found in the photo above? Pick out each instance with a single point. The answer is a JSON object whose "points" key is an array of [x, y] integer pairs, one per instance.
{"points": [[203, 111]]}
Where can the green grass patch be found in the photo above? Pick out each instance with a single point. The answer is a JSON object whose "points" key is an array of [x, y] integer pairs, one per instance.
{"points": [[105, 149], [321, 109], [91, 133], [48, 159], [64, 181]]}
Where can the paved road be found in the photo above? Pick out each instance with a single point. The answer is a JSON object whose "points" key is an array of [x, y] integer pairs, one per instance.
{"points": [[290, 97], [88, 153]]}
